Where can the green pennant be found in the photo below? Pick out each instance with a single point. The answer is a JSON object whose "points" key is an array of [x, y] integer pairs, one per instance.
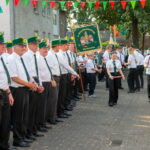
{"points": [[1, 10], [90, 5], [76, 4], [62, 4], [44, 4], [25, 2], [104, 5], [7, 2], [133, 4]]}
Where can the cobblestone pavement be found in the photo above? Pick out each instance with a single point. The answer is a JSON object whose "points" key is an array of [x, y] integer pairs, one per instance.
{"points": [[95, 126]]}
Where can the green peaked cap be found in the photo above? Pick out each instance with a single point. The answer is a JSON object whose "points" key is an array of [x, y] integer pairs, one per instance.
{"points": [[9, 44], [2, 38], [43, 44], [58, 42], [35, 39], [20, 41], [133, 46]]}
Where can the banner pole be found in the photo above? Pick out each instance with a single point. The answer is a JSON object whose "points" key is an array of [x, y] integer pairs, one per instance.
{"points": [[99, 36]]}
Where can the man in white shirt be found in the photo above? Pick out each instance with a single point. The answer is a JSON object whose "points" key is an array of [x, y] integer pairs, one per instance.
{"points": [[147, 66], [6, 100], [65, 68], [20, 84], [9, 46], [91, 74], [106, 57], [34, 96], [121, 59]]}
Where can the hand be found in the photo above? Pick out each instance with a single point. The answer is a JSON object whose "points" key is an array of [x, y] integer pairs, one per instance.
{"points": [[111, 77], [40, 89], [73, 77], [32, 86], [123, 77], [54, 84], [11, 99], [78, 77]]}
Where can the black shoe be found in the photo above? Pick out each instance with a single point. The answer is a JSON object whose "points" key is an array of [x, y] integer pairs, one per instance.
{"points": [[77, 97], [28, 140], [37, 134], [65, 113], [42, 129], [62, 116], [58, 120], [111, 104], [121, 88], [52, 121], [47, 126], [11, 148], [21, 144], [31, 137]]}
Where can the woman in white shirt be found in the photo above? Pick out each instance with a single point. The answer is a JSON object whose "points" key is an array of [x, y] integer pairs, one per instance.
{"points": [[114, 72], [132, 65]]}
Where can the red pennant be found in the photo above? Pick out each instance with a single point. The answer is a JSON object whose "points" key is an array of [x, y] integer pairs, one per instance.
{"points": [[68, 4], [112, 4], [83, 4], [52, 4], [97, 4], [123, 4], [16, 2], [143, 2], [34, 3]]}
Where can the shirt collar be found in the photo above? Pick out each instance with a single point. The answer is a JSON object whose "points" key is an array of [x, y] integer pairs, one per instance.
{"points": [[16, 55]]}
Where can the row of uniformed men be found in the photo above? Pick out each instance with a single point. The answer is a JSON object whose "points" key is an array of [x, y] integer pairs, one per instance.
{"points": [[40, 85]]}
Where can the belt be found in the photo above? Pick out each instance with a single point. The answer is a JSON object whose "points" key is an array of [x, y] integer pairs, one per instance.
{"points": [[46, 82], [56, 76]]}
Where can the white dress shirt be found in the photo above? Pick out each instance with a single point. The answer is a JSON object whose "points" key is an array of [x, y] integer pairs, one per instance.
{"points": [[16, 69], [147, 62], [106, 56], [141, 57], [44, 74], [3, 78], [53, 63], [111, 66], [90, 65], [136, 54], [121, 57], [133, 62], [65, 68]]}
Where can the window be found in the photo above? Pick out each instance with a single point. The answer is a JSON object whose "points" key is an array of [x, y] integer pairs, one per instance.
{"points": [[48, 11], [44, 12], [54, 19], [36, 32], [49, 36], [36, 10]]}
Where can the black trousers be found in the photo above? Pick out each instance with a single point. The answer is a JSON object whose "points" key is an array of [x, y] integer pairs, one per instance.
{"points": [[137, 80], [113, 91], [62, 94], [131, 79], [33, 108], [141, 79], [20, 112], [107, 78], [148, 85], [53, 100], [4, 121], [92, 82]]}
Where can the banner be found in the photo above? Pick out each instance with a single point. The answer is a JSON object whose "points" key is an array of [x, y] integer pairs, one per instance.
{"points": [[87, 39]]}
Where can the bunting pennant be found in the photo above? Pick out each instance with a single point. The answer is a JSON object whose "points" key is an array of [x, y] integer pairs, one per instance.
{"points": [[62, 4], [90, 5], [104, 5], [97, 4], [1, 10], [69, 3], [112, 4], [52, 4], [34, 3], [7, 2], [143, 2], [25, 2], [123, 4], [83, 4], [75, 4], [16, 2], [44, 4], [133, 4]]}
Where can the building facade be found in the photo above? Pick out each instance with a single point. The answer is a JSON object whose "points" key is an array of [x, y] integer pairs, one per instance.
{"points": [[23, 21]]}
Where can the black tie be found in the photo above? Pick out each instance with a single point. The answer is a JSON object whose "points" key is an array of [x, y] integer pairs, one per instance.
{"points": [[49, 69], [59, 65], [25, 69], [36, 66], [6, 71]]}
